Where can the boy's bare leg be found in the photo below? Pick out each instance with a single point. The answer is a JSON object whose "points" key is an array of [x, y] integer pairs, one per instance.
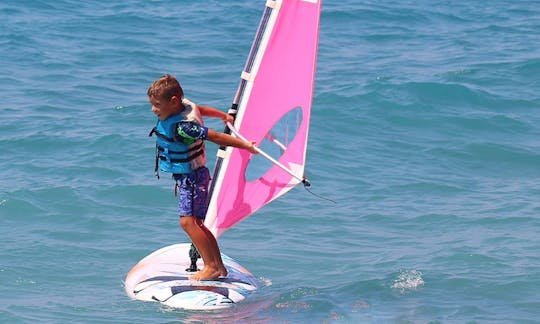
{"points": [[214, 248], [204, 246]]}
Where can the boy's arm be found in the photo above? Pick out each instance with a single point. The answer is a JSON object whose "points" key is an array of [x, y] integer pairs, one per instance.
{"points": [[207, 111], [228, 140]]}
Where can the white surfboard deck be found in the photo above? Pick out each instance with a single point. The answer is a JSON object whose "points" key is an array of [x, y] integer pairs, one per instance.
{"points": [[162, 277]]}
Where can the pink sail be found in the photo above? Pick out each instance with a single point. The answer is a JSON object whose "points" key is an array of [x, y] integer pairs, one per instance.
{"points": [[276, 86]]}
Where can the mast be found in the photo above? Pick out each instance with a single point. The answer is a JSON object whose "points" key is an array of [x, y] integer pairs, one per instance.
{"points": [[277, 82], [248, 74], [223, 151]]}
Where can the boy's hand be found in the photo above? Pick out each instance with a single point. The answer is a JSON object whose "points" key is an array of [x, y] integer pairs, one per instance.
{"points": [[252, 148], [227, 118]]}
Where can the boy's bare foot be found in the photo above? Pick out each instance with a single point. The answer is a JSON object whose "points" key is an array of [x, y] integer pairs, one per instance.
{"points": [[206, 274]]}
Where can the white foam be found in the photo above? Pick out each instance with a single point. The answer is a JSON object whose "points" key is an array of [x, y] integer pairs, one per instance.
{"points": [[408, 279]]}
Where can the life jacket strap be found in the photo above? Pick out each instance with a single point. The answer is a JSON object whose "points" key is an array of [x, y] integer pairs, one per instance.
{"points": [[156, 167], [191, 149], [184, 160], [158, 134]]}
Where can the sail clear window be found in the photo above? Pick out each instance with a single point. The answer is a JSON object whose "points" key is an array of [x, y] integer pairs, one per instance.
{"points": [[275, 143]]}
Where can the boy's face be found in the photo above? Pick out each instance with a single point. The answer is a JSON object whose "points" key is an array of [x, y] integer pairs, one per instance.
{"points": [[164, 108]]}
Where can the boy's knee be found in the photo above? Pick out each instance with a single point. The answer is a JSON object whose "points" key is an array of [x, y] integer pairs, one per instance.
{"points": [[188, 223]]}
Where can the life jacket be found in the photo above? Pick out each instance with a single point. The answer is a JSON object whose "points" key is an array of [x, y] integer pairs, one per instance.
{"points": [[172, 155]]}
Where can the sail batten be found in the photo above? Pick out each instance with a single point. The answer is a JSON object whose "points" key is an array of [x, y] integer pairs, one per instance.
{"points": [[276, 85]]}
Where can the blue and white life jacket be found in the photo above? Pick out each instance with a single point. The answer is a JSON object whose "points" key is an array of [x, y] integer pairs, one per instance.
{"points": [[172, 155]]}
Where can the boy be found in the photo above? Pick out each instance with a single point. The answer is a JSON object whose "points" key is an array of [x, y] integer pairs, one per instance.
{"points": [[180, 150]]}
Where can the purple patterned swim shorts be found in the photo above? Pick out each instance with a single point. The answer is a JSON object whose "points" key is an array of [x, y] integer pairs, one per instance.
{"points": [[192, 192]]}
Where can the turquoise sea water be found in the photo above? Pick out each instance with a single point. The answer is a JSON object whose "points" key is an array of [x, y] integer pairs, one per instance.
{"points": [[425, 130]]}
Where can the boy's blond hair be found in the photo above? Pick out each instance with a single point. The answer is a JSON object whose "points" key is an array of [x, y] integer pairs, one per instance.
{"points": [[165, 88]]}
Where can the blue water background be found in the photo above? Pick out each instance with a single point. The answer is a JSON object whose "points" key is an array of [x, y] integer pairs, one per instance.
{"points": [[425, 131]]}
